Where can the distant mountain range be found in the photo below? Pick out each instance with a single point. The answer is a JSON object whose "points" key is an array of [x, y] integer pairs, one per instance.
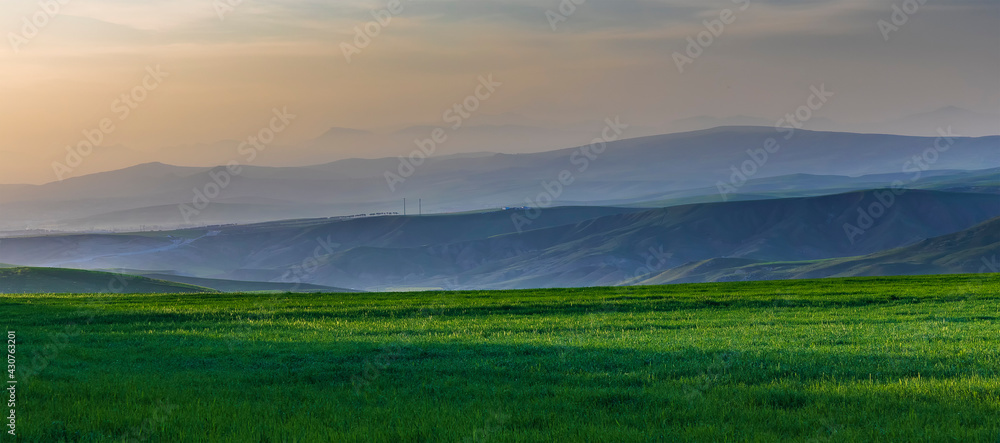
{"points": [[508, 133], [566, 246], [725, 204], [701, 166], [962, 121]]}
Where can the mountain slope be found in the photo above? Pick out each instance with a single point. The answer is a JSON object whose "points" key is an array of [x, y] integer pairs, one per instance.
{"points": [[24, 280], [974, 250], [268, 250], [612, 249], [560, 247], [245, 286]]}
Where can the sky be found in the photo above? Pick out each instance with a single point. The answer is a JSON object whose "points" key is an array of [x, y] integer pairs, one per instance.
{"points": [[198, 76]]}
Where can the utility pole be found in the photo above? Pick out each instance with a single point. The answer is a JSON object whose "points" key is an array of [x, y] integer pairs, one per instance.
{"points": [[404, 206]]}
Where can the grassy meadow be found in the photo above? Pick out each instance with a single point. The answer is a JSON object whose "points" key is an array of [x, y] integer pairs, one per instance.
{"points": [[860, 359]]}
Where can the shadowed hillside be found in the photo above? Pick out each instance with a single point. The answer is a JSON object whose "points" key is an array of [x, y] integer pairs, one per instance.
{"points": [[974, 250], [22, 280], [559, 247]]}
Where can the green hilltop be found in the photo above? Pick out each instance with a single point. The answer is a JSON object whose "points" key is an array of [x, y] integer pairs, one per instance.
{"points": [[21, 280]]}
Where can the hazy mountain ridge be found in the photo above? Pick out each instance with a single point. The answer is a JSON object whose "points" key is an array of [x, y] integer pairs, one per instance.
{"points": [[648, 209], [562, 247], [609, 250], [655, 167]]}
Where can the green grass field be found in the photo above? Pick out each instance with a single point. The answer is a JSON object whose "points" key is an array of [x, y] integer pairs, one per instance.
{"points": [[863, 359]]}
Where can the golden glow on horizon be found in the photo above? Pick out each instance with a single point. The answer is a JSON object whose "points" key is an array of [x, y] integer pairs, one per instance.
{"points": [[225, 75]]}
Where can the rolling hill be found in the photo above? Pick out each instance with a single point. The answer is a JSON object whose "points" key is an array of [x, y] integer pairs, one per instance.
{"points": [[974, 250], [245, 286], [34, 280], [609, 250], [571, 246], [25, 280], [272, 245]]}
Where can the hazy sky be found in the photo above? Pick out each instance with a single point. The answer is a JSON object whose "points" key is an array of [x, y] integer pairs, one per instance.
{"points": [[227, 67]]}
